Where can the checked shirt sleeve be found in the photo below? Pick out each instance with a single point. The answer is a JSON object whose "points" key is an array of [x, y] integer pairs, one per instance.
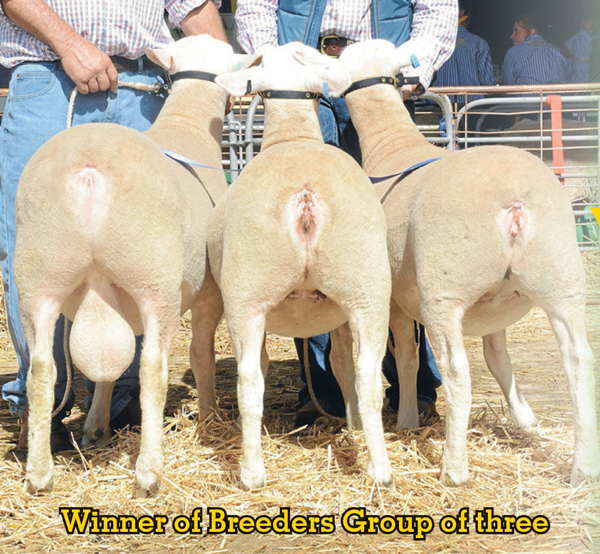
{"points": [[179, 9], [257, 24], [437, 21]]}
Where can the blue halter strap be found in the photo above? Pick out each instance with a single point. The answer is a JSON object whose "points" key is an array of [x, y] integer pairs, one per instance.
{"points": [[404, 173]]}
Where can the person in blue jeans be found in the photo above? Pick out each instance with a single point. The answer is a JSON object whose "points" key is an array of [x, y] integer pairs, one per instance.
{"points": [[52, 48], [330, 25]]}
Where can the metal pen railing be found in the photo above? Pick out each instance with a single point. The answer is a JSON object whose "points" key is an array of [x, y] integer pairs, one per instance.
{"points": [[522, 117]]}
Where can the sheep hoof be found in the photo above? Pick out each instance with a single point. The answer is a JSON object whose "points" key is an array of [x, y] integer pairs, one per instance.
{"points": [[524, 418], [32, 488], [454, 479], [96, 437], [386, 482], [381, 473], [407, 424], [147, 492], [253, 479], [580, 474], [408, 419]]}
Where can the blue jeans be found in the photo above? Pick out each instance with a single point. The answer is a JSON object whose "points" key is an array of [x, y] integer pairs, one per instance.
{"points": [[36, 109], [337, 129]]}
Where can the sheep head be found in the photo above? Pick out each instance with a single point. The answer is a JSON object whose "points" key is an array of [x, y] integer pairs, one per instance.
{"points": [[200, 53], [373, 58], [282, 70]]}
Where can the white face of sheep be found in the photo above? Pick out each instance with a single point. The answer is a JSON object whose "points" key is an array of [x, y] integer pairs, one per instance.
{"points": [[377, 57], [282, 70], [200, 53], [372, 58]]}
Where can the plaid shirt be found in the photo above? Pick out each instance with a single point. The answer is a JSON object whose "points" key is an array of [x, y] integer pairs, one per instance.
{"points": [[117, 27], [437, 19]]}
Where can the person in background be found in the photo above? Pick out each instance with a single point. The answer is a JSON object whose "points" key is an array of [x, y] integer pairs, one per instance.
{"points": [[331, 25], [594, 73], [533, 60], [471, 62], [53, 47], [580, 45]]}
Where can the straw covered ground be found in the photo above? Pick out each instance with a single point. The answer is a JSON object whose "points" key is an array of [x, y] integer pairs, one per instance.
{"points": [[320, 471]]}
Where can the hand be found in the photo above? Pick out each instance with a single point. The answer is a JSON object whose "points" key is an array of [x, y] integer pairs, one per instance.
{"points": [[89, 68], [407, 91]]}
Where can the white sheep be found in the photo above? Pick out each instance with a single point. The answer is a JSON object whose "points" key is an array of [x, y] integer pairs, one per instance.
{"points": [[112, 232], [580, 157], [298, 246], [475, 239]]}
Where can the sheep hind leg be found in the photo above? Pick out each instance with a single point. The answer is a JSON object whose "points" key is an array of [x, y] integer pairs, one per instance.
{"points": [[96, 430], [264, 358], [40, 392], [342, 365], [206, 315], [153, 395], [407, 365], [247, 336], [370, 336], [568, 323], [444, 327], [499, 364]]}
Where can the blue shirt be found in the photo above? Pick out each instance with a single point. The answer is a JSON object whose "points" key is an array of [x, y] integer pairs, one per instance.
{"points": [[535, 62], [469, 65], [580, 46]]}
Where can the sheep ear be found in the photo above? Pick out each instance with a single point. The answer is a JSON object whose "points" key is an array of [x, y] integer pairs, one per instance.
{"points": [[309, 57], [265, 49], [244, 61], [165, 57], [242, 82], [336, 78]]}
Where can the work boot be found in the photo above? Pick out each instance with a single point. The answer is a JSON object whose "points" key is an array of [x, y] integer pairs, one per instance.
{"points": [[130, 415], [309, 413]]}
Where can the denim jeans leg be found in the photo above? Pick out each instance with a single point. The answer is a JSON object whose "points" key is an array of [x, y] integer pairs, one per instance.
{"points": [[329, 128], [324, 383], [36, 110], [348, 137], [27, 123], [428, 375]]}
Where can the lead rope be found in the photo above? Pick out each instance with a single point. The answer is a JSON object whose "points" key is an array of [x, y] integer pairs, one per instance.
{"points": [[69, 368], [156, 87], [311, 392]]}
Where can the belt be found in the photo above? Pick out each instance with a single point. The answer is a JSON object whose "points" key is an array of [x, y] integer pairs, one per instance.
{"points": [[332, 45], [140, 64]]}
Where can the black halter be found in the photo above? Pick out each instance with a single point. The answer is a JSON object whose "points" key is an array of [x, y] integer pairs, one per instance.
{"points": [[364, 83], [397, 81], [289, 94], [202, 75]]}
